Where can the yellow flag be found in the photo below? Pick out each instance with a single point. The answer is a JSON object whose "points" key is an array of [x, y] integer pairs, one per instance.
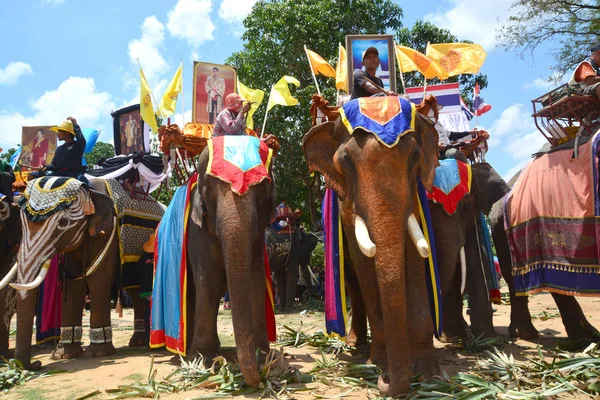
{"points": [[280, 93], [341, 71], [166, 107], [412, 60], [146, 107], [256, 96], [457, 58], [319, 65]]}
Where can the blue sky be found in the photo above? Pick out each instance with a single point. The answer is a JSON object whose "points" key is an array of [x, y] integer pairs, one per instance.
{"points": [[74, 57]]}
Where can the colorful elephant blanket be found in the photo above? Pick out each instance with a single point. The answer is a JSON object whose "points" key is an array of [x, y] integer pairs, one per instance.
{"points": [[45, 196], [137, 219], [553, 226], [388, 118], [451, 184], [168, 321], [240, 160]]}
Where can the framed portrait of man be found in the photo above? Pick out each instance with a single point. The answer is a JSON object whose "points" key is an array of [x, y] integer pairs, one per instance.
{"points": [[356, 45], [129, 131], [39, 146], [212, 83]]}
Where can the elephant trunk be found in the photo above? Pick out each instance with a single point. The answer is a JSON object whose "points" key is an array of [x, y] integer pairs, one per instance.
{"points": [[234, 229], [25, 312], [391, 234]]}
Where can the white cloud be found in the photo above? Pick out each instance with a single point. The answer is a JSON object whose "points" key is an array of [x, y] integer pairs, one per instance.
{"points": [[472, 19], [76, 97], [13, 71], [235, 10], [52, 2], [147, 47], [176, 118], [190, 20], [549, 83]]}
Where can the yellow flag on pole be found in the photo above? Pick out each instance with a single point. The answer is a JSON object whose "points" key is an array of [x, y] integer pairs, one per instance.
{"points": [[319, 65], [412, 60], [341, 71], [167, 104], [280, 93], [457, 58], [146, 107], [256, 96]]}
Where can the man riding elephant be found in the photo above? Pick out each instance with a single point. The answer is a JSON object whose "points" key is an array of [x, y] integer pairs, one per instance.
{"points": [[68, 156]]}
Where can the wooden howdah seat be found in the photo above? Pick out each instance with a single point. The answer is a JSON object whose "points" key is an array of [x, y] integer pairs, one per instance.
{"points": [[562, 114]]}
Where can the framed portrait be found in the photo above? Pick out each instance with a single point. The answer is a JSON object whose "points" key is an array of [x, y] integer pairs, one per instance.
{"points": [[38, 147], [355, 47], [212, 83], [129, 133]]}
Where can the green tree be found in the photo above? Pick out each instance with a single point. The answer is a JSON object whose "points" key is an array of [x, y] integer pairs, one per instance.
{"points": [[573, 24], [8, 154], [417, 38], [276, 32], [101, 150]]}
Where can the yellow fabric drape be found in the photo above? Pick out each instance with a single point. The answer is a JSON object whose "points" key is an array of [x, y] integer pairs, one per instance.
{"points": [[167, 104], [146, 107], [280, 93], [341, 71], [412, 60], [457, 58], [319, 65], [256, 96]]}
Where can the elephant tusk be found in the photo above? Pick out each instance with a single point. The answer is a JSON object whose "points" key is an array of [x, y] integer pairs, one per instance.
{"points": [[36, 282], [416, 234], [361, 232], [463, 270], [11, 274]]}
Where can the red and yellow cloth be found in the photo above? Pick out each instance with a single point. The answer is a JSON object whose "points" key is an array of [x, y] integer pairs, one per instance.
{"points": [[451, 184]]}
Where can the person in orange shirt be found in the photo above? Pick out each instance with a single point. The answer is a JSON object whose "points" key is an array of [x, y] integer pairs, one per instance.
{"points": [[586, 78]]}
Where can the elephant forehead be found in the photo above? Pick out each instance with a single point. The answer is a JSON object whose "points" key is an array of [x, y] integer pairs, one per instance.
{"points": [[388, 118], [45, 196]]}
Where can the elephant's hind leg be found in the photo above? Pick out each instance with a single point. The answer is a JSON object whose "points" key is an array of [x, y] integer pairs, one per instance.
{"points": [[100, 326], [70, 331], [577, 326], [140, 336]]}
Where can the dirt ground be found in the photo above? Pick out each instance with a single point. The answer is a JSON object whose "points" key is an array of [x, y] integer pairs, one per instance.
{"points": [[131, 365]]}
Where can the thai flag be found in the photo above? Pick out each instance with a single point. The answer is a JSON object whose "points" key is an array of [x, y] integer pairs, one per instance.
{"points": [[478, 104], [447, 95], [466, 110]]}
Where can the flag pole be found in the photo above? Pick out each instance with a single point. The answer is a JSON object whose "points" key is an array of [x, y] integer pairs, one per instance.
{"points": [[311, 70], [182, 97], [262, 131]]}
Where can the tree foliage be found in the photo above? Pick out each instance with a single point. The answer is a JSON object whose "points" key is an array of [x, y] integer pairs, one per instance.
{"points": [[417, 38], [101, 151], [8, 154], [275, 35], [574, 24]]}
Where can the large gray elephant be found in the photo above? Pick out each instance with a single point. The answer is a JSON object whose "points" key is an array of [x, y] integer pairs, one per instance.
{"points": [[576, 324], [376, 182], [226, 247], [288, 254]]}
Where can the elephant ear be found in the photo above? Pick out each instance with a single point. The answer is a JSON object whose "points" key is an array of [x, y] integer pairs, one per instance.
{"points": [[103, 219], [197, 206], [320, 145], [428, 138], [487, 187]]}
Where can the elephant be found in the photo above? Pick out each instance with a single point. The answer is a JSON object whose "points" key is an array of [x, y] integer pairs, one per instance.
{"points": [[576, 324], [226, 250], [88, 238], [287, 252], [377, 188], [10, 238]]}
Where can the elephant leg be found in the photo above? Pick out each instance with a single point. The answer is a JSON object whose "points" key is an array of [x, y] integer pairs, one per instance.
{"points": [[99, 285], [72, 309], [25, 312], [291, 283], [479, 298], [520, 318], [7, 306], [576, 324], [455, 326], [281, 277], [258, 298], [357, 337], [209, 285], [140, 336], [420, 326]]}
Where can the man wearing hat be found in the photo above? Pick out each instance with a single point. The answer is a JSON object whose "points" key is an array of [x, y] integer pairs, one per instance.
{"points": [[67, 158], [366, 82], [232, 120], [586, 78]]}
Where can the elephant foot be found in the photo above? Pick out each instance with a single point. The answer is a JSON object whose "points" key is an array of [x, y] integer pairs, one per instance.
{"points": [[525, 331], [425, 367], [378, 357], [139, 339], [32, 366], [354, 340], [100, 350], [484, 332], [582, 331], [451, 337], [67, 351]]}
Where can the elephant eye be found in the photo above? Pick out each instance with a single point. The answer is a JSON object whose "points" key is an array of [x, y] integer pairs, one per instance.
{"points": [[63, 222]]}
